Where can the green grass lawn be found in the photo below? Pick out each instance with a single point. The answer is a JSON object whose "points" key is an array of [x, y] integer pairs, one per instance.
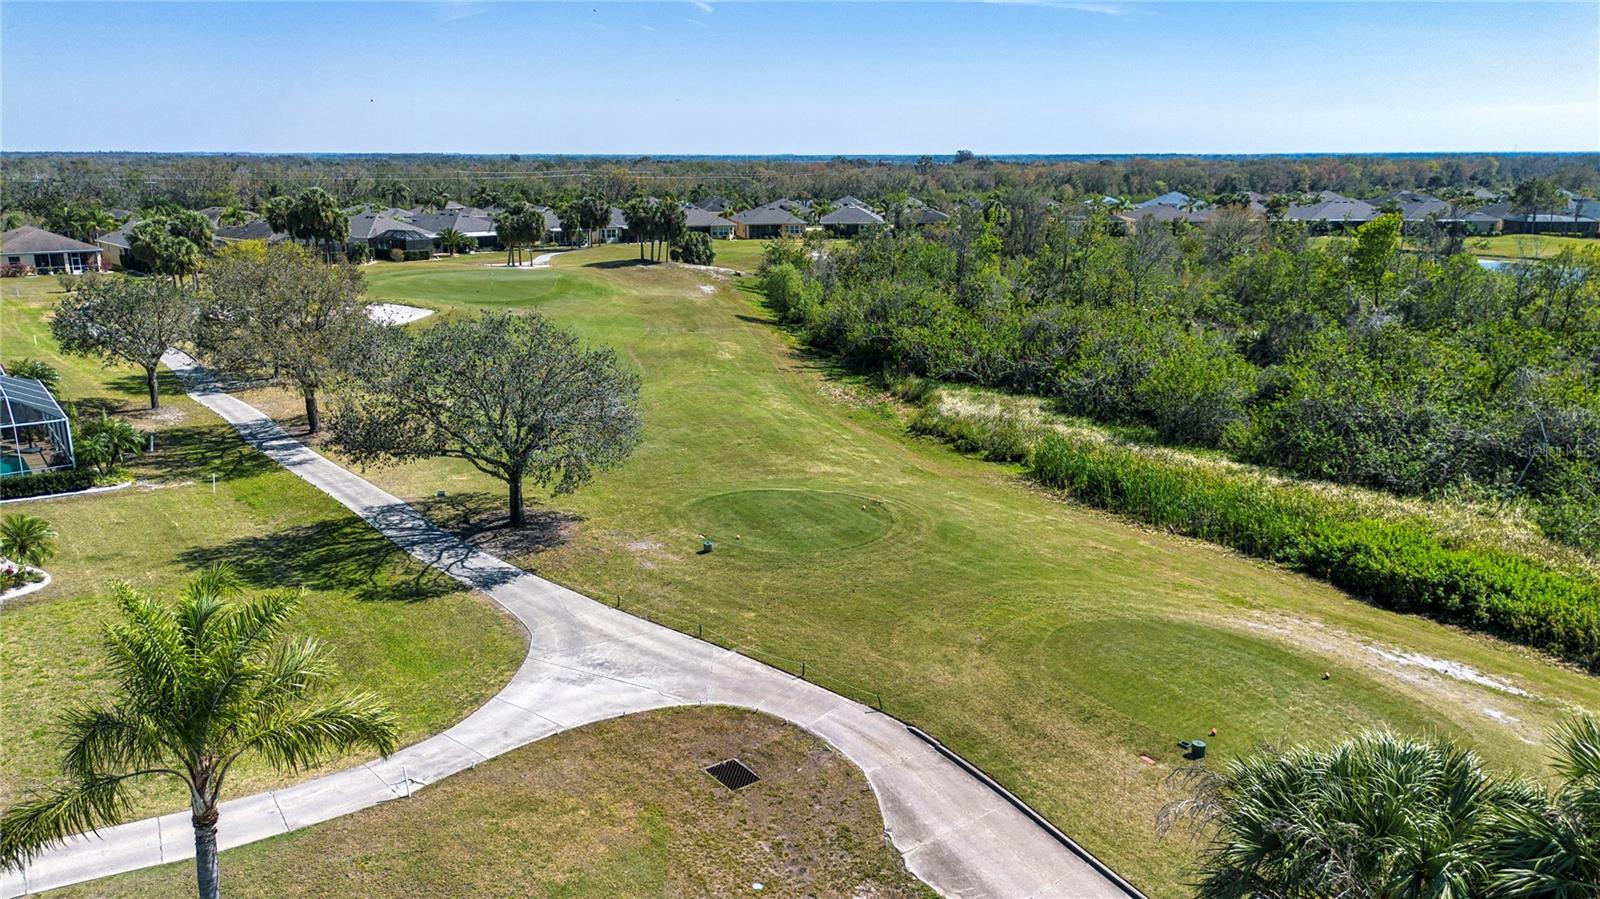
{"points": [[433, 651], [547, 821], [1524, 246], [1050, 644]]}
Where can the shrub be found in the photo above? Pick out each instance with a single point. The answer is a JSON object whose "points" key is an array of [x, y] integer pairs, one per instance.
{"points": [[107, 442], [913, 389], [47, 482], [397, 255], [1405, 565], [27, 539], [43, 372], [995, 436], [783, 251], [793, 297], [693, 248]]}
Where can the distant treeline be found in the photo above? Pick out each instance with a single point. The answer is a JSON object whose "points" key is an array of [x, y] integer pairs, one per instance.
{"points": [[34, 183]]}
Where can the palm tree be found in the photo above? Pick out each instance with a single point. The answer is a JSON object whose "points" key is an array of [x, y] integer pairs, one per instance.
{"points": [[592, 213], [316, 217], [106, 442], [1556, 854], [671, 223], [233, 214], [198, 686], [1376, 816], [1385, 817], [515, 225], [435, 199], [641, 215], [27, 539], [279, 213], [396, 192], [451, 240]]}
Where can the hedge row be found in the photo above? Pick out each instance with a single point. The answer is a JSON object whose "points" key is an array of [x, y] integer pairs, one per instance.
{"points": [[1401, 565], [47, 482]]}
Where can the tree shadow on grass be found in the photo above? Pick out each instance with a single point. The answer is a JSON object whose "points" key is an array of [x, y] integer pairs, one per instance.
{"points": [[199, 452], [620, 263], [136, 393], [92, 407], [337, 555], [483, 520]]}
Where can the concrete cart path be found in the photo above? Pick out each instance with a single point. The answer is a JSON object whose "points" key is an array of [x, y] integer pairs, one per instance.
{"points": [[587, 662]]}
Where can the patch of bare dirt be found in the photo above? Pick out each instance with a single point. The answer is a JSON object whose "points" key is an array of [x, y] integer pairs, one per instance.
{"points": [[1442, 680]]}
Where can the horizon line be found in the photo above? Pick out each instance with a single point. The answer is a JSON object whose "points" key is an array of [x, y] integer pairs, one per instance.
{"points": [[542, 154]]}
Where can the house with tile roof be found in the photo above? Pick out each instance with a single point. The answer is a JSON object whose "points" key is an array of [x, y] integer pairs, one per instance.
{"points": [[766, 222], [256, 229], [477, 224], [707, 222], [849, 219], [1174, 198], [383, 232], [1331, 212], [30, 250]]}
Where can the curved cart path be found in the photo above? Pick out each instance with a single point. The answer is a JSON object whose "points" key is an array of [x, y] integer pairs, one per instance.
{"points": [[587, 662]]}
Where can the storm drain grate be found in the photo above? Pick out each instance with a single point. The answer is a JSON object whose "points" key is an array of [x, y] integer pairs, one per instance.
{"points": [[732, 774]]}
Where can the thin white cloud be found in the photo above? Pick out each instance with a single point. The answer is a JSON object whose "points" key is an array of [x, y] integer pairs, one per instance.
{"points": [[460, 9], [1099, 9], [702, 5]]}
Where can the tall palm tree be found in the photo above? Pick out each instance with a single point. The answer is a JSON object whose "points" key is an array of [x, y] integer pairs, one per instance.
{"points": [[27, 539], [515, 225], [640, 214], [279, 212], [198, 686], [316, 217], [435, 199], [592, 213]]}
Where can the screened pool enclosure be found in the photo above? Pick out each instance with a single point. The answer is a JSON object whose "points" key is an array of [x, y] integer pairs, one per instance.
{"points": [[34, 433]]}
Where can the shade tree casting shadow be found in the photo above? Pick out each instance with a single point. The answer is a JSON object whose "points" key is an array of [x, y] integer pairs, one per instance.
{"points": [[481, 519]]}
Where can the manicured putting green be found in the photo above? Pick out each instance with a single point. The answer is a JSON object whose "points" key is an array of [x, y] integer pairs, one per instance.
{"points": [[775, 520]]}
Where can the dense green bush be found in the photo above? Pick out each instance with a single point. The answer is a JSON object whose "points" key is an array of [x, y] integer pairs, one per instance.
{"points": [[1420, 374], [47, 482], [1405, 566], [793, 297], [694, 248]]}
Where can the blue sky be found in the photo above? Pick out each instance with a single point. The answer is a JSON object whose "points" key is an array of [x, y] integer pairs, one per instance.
{"points": [[753, 77]]}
